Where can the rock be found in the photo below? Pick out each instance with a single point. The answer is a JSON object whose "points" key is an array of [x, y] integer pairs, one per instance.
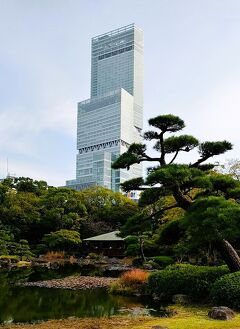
{"points": [[156, 298], [135, 311], [124, 310], [147, 266], [221, 313], [138, 311], [180, 299], [73, 282], [159, 327], [54, 265]]}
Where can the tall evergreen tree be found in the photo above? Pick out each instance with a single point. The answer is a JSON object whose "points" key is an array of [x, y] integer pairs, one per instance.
{"points": [[183, 181]]}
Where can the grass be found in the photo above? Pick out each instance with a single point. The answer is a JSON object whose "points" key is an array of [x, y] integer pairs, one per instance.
{"points": [[52, 255], [186, 318], [133, 277]]}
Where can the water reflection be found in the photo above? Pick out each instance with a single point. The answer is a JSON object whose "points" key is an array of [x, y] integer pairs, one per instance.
{"points": [[28, 304], [32, 303]]}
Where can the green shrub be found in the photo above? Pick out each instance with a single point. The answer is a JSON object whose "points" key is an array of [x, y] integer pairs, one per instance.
{"points": [[12, 258], [137, 261], [195, 281], [150, 264], [150, 248], [23, 263], [132, 249], [163, 261], [62, 240], [118, 289], [226, 291], [93, 255], [131, 239]]}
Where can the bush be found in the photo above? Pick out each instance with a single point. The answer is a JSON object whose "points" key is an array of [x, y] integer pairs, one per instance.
{"points": [[132, 250], [226, 291], [93, 255], [118, 289], [22, 250], [23, 263], [162, 261], [130, 282], [150, 265], [9, 247], [195, 281], [52, 255], [10, 258], [62, 240], [134, 277], [137, 262], [133, 247]]}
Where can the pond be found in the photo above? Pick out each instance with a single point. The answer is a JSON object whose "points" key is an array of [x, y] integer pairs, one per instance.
{"points": [[30, 304]]}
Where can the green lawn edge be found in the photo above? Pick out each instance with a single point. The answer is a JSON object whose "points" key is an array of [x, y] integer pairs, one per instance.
{"points": [[186, 317]]}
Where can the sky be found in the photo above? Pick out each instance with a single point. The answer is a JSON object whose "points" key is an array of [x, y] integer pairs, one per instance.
{"points": [[191, 69]]}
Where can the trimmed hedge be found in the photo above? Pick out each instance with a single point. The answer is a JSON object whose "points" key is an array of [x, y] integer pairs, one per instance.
{"points": [[195, 281], [226, 291], [162, 261]]}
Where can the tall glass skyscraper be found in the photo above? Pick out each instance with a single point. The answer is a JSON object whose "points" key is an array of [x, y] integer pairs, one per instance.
{"points": [[112, 118]]}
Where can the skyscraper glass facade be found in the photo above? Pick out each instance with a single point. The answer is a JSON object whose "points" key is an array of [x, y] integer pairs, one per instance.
{"points": [[111, 119]]}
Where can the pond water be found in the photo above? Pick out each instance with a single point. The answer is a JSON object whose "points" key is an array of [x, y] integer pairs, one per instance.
{"points": [[30, 304]]}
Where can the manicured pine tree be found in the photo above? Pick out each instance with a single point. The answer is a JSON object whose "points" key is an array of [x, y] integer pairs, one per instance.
{"points": [[213, 214]]}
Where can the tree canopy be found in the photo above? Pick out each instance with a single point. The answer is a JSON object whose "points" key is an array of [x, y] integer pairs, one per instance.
{"points": [[202, 194], [37, 217]]}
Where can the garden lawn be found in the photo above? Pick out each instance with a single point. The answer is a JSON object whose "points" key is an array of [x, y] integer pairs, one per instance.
{"points": [[186, 318]]}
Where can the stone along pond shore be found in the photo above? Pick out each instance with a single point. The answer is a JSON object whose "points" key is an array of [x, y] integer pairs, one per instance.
{"points": [[73, 283]]}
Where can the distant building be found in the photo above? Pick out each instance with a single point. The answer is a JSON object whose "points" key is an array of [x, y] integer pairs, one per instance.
{"points": [[108, 244], [112, 118], [133, 195], [9, 176]]}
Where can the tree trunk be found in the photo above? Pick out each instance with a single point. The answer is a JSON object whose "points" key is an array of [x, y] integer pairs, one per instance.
{"points": [[181, 199], [141, 243], [228, 254]]}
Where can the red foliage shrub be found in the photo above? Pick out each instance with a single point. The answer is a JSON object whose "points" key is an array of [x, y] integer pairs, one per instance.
{"points": [[134, 277], [51, 255]]}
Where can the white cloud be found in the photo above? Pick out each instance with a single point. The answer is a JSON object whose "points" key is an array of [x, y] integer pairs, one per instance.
{"points": [[20, 127]]}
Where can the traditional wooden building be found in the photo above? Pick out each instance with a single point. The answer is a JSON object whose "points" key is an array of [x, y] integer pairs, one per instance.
{"points": [[109, 244]]}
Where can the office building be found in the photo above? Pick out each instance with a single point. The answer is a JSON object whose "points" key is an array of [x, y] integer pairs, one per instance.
{"points": [[111, 119]]}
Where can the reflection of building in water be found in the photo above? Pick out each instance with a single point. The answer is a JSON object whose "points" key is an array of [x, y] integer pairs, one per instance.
{"points": [[112, 118]]}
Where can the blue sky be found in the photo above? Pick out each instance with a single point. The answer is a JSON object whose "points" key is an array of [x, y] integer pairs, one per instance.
{"points": [[192, 69]]}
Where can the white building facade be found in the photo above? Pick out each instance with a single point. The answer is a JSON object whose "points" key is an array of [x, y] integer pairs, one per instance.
{"points": [[112, 118]]}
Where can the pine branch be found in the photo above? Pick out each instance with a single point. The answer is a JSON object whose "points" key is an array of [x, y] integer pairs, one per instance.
{"points": [[164, 209], [176, 154]]}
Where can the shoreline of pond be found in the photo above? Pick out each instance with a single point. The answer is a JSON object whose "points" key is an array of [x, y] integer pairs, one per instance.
{"points": [[69, 289], [72, 282], [106, 265], [184, 317]]}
